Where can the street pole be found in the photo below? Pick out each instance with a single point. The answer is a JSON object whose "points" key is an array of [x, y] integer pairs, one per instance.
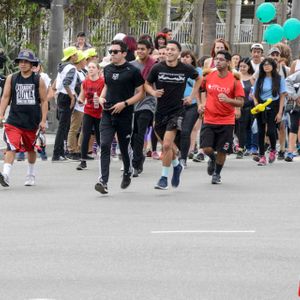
{"points": [[197, 26], [55, 50], [295, 44]]}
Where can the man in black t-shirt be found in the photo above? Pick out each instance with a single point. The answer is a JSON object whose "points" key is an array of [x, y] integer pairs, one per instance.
{"points": [[26, 93], [170, 79], [123, 88]]}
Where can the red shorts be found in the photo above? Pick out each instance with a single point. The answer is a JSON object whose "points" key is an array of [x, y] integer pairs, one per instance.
{"points": [[19, 139]]}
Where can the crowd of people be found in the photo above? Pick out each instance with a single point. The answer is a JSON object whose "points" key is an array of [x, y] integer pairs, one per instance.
{"points": [[152, 92]]}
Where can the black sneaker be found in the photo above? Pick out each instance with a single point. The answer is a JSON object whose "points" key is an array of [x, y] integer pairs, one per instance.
{"points": [[125, 181], [88, 157], [239, 154], [216, 179], [101, 187], [198, 157], [135, 173], [211, 164], [4, 181], [280, 155], [81, 166]]}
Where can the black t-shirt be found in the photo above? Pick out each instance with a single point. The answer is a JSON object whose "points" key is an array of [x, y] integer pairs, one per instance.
{"points": [[121, 82], [25, 109], [173, 81]]}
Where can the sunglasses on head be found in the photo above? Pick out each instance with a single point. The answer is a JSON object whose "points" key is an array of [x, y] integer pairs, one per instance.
{"points": [[114, 51]]}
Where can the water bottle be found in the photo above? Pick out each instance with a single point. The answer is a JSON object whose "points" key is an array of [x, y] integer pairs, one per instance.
{"points": [[96, 102]]}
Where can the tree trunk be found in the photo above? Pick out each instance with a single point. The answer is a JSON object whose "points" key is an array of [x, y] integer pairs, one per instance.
{"points": [[209, 25], [295, 44], [197, 26], [35, 34], [165, 16]]}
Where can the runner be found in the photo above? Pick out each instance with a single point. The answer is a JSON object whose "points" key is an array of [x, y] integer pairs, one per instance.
{"points": [[26, 93], [170, 79], [223, 94], [123, 88]]}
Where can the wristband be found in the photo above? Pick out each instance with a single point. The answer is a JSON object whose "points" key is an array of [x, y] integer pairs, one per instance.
{"points": [[126, 103]]}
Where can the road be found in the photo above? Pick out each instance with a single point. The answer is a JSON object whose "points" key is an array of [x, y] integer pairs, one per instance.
{"points": [[239, 240]]}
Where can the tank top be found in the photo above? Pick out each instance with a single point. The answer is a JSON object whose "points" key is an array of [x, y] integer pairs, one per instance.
{"points": [[25, 109]]}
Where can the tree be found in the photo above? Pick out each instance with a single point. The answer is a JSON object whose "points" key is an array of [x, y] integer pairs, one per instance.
{"points": [[209, 25]]}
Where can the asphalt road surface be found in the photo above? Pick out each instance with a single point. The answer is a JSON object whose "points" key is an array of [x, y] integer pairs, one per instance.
{"points": [[239, 240]]}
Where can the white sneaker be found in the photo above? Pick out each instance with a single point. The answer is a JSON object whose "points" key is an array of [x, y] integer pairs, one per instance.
{"points": [[4, 180], [30, 180]]}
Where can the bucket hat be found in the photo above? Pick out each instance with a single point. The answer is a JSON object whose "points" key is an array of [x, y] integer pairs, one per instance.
{"points": [[26, 55]]}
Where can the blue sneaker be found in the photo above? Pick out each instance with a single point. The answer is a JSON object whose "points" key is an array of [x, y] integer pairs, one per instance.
{"points": [[289, 157], [20, 156], [176, 175], [162, 183]]}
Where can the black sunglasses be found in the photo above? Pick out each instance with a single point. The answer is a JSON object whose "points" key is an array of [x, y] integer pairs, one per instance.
{"points": [[114, 51]]}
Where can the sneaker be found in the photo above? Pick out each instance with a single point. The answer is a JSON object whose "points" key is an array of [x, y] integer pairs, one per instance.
{"points": [[4, 180], [30, 180], [216, 179], [289, 157], [125, 181], [239, 154], [211, 164], [162, 183], [198, 157], [280, 155], [262, 161], [256, 158], [183, 162], [191, 155], [135, 173], [272, 156], [82, 165], [253, 150], [155, 155], [247, 152], [59, 159], [20, 156], [88, 157], [176, 175], [101, 187], [43, 154], [149, 153]]}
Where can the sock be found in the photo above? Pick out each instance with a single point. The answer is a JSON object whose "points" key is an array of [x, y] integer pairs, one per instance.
{"points": [[165, 171], [218, 169], [30, 169], [175, 162], [211, 156], [6, 169]]}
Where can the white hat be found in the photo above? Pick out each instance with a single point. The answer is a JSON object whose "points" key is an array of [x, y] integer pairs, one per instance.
{"points": [[119, 36], [257, 46]]}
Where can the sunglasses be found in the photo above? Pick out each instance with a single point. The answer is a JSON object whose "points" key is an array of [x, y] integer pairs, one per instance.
{"points": [[114, 51]]}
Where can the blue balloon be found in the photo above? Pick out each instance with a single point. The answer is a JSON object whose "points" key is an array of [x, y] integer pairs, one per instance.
{"points": [[266, 12], [291, 28], [273, 34]]}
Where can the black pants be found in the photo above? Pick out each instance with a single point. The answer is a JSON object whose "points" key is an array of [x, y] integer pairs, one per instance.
{"points": [[190, 118], [244, 124], [295, 118], [109, 125], [64, 117], [267, 118], [88, 124], [142, 119]]}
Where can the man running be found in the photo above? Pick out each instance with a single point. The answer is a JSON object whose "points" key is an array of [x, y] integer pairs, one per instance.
{"points": [[170, 79], [26, 93], [223, 93], [123, 88]]}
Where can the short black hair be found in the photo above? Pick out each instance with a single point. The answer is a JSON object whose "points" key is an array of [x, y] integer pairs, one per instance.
{"points": [[81, 34], [122, 45], [145, 43], [166, 30], [176, 43], [226, 54]]}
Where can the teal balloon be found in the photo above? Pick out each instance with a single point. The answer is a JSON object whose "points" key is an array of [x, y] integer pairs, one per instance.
{"points": [[273, 34], [291, 28], [266, 12]]}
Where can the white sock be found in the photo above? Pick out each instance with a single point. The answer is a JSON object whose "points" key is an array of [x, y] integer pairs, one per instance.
{"points": [[6, 169], [30, 169]]}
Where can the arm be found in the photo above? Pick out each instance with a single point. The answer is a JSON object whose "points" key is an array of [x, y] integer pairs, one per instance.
{"points": [[102, 98], [278, 117], [151, 91], [66, 83], [236, 102], [5, 97], [81, 95], [44, 104], [290, 81], [139, 95]]}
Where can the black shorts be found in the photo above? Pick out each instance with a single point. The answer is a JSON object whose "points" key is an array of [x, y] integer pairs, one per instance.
{"points": [[218, 137], [168, 123]]}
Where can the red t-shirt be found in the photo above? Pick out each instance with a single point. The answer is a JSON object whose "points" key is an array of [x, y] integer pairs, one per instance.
{"points": [[216, 112], [90, 87]]}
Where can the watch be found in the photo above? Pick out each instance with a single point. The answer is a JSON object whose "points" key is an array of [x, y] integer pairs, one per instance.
{"points": [[126, 103]]}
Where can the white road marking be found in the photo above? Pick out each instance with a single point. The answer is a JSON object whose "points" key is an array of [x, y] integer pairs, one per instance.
{"points": [[204, 231]]}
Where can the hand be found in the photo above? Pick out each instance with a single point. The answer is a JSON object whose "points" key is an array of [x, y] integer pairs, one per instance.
{"points": [[96, 99], [102, 101], [278, 117], [187, 100], [201, 108], [158, 93], [2, 121], [237, 113], [223, 98], [80, 103], [43, 126], [72, 102], [117, 108]]}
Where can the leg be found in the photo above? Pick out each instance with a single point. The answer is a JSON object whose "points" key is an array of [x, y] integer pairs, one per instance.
{"points": [[87, 124], [76, 120]]}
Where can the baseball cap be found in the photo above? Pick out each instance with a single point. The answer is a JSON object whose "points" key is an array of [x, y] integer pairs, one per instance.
{"points": [[68, 52], [274, 49], [91, 52], [257, 46], [81, 56]]}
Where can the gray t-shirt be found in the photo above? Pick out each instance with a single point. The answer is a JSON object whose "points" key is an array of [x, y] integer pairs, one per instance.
{"points": [[149, 102]]}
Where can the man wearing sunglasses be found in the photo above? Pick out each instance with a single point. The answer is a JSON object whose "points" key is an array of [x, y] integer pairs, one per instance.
{"points": [[123, 88]]}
